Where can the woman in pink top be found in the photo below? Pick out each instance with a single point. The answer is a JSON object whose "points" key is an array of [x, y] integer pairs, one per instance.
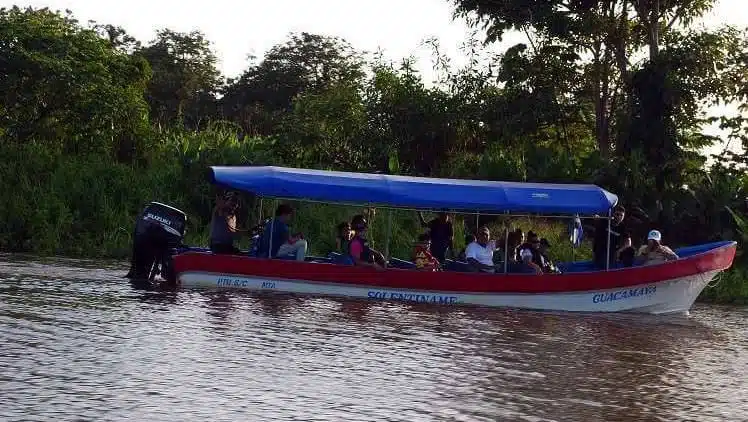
{"points": [[359, 248]]}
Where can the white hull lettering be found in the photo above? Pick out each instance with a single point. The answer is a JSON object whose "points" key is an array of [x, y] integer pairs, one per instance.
{"points": [[157, 218]]}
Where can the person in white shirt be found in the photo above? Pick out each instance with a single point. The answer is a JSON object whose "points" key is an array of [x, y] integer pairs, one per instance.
{"points": [[479, 254]]}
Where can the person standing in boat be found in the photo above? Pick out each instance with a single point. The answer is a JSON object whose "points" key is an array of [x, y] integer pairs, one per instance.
{"points": [[441, 233], [223, 231], [479, 254], [621, 247], [284, 244], [358, 247]]}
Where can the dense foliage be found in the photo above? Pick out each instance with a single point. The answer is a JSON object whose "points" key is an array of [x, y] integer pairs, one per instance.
{"points": [[94, 124]]}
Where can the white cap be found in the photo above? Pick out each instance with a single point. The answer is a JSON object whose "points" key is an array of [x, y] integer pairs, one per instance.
{"points": [[654, 235]]}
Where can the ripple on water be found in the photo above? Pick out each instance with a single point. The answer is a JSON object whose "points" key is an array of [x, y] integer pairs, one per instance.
{"points": [[80, 343]]}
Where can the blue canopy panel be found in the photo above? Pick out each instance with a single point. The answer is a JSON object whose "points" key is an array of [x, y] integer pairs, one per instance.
{"points": [[416, 192]]}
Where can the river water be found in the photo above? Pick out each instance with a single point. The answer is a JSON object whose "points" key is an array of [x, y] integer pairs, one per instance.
{"points": [[78, 342]]}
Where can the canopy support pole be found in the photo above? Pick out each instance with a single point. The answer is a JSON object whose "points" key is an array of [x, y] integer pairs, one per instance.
{"points": [[506, 246], [572, 239], [259, 219], [607, 252], [272, 224], [389, 236]]}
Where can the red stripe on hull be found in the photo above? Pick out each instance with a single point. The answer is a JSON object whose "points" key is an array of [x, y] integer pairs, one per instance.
{"points": [[716, 259]]}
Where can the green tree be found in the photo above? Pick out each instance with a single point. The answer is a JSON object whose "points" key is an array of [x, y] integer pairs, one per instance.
{"points": [[64, 85], [607, 33], [306, 62], [185, 78]]}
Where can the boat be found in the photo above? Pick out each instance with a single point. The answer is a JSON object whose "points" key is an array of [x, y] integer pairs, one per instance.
{"points": [[667, 288]]}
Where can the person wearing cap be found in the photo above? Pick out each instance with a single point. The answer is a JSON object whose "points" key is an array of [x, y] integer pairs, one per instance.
{"points": [[479, 254], [526, 263], [442, 234], [223, 231], [547, 264], [358, 247], [654, 252]]}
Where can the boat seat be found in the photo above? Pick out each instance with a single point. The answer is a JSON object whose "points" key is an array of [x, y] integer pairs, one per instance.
{"points": [[456, 266], [340, 259], [401, 264]]}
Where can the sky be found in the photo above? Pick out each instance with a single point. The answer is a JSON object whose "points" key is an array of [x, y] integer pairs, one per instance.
{"points": [[239, 28]]}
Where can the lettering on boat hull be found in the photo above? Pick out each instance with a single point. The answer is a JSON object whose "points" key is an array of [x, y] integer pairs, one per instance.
{"points": [[231, 282], [242, 282], [624, 294], [666, 297], [412, 297]]}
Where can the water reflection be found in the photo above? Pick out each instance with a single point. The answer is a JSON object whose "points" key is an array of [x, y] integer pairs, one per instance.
{"points": [[79, 342]]}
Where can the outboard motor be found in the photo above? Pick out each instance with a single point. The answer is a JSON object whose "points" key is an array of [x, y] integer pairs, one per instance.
{"points": [[159, 229]]}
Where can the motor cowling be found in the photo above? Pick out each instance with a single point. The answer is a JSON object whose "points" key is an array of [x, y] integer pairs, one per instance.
{"points": [[159, 229]]}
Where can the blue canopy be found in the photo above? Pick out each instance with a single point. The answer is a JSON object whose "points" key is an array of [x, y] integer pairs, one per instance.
{"points": [[416, 192]]}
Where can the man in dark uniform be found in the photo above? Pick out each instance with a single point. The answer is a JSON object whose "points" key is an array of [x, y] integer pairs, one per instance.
{"points": [[621, 248], [442, 234]]}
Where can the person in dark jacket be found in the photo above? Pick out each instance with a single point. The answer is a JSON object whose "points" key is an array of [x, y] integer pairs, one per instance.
{"points": [[621, 247], [442, 234], [533, 246]]}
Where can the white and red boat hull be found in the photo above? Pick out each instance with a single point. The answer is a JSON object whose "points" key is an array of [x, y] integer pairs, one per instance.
{"points": [[660, 289], [665, 297]]}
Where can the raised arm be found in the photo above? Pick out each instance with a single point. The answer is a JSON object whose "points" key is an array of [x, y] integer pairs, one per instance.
{"points": [[422, 220]]}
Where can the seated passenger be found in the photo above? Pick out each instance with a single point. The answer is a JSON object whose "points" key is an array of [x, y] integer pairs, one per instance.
{"points": [[532, 245], [223, 231], [422, 254], [470, 238], [343, 237], [515, 238], [655, 252], [526, 264], [479, 254], [548, 265], [359, 249], [284, 245]]}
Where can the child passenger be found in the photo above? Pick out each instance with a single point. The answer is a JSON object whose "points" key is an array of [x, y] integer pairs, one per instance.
{"points": [[422, 256]]}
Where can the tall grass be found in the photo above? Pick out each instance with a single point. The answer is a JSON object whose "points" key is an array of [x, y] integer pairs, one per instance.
{"points": [[87, 205]]}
